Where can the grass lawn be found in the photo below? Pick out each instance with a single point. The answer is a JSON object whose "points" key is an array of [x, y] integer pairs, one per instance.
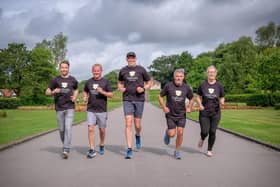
{"points": [[23, 123], [262, 124]]}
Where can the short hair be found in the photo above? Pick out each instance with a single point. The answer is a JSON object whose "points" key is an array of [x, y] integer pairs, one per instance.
{"points": [[211, 67], [64, 62], [180, 70], [97, 65]]}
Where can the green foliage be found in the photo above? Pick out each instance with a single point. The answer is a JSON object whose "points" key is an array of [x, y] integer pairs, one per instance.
{"points": [[9, 103], [269, 70], [112, 77], [162, 68], [277, 106], [268, 36], [261, 99], [57, 47], [36, 100], [3, 114]]}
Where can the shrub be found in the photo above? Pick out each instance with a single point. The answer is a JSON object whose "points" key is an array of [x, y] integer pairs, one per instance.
{"points": [[3, 114], [9, 103], [277, 106], [269, 99], [36, 100]]}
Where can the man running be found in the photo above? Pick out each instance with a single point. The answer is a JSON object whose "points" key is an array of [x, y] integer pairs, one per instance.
{"points": [[132, 82], [95, 93], [175, 108], [211, 92], [64, 88]]}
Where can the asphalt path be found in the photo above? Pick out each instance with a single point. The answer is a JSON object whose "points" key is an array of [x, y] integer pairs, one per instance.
{"points": [[236, 162]]}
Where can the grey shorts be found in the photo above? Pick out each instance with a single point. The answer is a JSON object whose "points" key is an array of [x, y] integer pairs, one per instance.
{"points": [[134, 108], [99, 119]]}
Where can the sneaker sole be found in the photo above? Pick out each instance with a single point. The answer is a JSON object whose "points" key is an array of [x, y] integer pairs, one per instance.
{"points": [[64, 156]]}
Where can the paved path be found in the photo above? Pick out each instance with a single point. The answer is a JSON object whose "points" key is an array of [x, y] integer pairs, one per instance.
{"points": [[237, 162]]}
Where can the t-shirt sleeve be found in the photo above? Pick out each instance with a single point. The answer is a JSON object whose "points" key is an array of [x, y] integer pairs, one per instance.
{"points": [[108, 87], [189, 93], [121, 78], [86, 87], [75, 84], [163, 92], [146, 76], [199, 90], [222, 91], [53, 84]]}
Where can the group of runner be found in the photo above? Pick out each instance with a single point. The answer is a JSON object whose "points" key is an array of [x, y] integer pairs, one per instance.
{"points": [[133, 80]]}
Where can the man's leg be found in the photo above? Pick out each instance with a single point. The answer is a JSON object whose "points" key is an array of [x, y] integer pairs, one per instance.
{"points": [[138, 108], [137, 125], [91, 136], [170, 131], [91, 120], [68, 128], [61, 124], [128, 130], [179, 139], [102, 124]]}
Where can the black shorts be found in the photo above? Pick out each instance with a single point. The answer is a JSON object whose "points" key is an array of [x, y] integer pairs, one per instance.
{"points": [[172, 123]]}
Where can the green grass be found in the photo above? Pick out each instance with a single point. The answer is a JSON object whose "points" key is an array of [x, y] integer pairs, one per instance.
{"points": [[262, 124], [21, 123]]}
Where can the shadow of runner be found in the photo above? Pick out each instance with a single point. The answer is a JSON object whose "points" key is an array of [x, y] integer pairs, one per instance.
{"points": [[56, 150]]}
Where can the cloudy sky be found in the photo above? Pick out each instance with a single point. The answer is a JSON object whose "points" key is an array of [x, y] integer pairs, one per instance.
{"points": [[104, 31]]}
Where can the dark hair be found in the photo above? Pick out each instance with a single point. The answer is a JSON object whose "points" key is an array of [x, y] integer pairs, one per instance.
{"points": [[64, 62]]}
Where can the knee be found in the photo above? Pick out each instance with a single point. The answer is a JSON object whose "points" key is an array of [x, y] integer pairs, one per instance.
{"points": [[91, 128], [180, 132], [171, 133], [212, 132]]}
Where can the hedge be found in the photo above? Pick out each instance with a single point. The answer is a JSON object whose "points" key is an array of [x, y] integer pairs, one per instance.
{"points": [[13, 103], [9, 103], [255, 99]]}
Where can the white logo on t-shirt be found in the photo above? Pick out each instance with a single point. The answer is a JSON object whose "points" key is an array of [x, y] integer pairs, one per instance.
{"points": [[95, 86], [178, 93], [211, 90], [64, 84], [132, 73]]}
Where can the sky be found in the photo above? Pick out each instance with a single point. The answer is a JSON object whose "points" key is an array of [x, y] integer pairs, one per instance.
{"points": [[103, 31]]}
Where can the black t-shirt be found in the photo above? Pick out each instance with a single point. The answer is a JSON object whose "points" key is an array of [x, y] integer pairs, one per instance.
{"points": [[176, 99], [63, 99], [211, 93], [97, 102], [133, 77]]}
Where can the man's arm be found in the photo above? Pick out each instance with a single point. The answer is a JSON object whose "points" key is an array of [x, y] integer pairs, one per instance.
{"points": [[190, 105], [107, 94], [222, 100], [162, 104], [75, 95], [121, 87], [49, 92]]}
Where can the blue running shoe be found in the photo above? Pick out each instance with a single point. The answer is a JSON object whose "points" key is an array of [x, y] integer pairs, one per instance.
{"points": [[101, 150], [128, 153], [91, 153], [177, 155], [166, 138], [138, 141]]}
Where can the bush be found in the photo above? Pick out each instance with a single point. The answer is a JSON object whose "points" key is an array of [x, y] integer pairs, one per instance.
{"points": [[277, 106], [9, 103], [3, 114], [269, 99], [36, 101]]}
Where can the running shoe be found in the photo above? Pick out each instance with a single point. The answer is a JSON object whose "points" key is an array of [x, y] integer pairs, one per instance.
{"points": [[101, 150], [91, 153], [209, 153], [138, 141], [200, 143], [128, 153], [177, 155], [166, 138]]}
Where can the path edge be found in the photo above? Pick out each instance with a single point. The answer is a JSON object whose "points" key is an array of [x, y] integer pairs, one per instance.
{"points": [[276, 148], [29, 138]]}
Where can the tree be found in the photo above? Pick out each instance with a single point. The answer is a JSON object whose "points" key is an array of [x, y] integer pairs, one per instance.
{"points": [[162, 68], [14, 62], [57, 47], [198, 71], [39, 72], [269, 69], [268, 36], [112, 77]]}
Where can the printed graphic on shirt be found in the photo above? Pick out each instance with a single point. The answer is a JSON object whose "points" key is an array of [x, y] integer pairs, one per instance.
{"points": [[64, 87], [94, 91]]}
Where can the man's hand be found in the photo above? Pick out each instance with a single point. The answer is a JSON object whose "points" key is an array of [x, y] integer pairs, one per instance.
{"points": [[55, 91], [165, 110], [122, 89], [100, 90], [201, 107], [85, 99], [140, 89], [73, 98], [188, 110]]}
